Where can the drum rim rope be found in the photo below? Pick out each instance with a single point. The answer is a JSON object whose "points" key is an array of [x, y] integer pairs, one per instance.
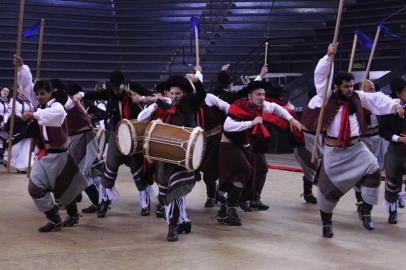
{"points": [[189, 159], [134, 141]]}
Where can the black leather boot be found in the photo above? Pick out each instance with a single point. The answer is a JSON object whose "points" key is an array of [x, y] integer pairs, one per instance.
{"points": [[221, 196], [90, 210], [71, 220], [307, 192], [393, 217], [210, 203], [173, 224], [222, 213], [246, 206], [232, 218], [54, 221], [366, 216], [393, 214], [326, 218], [185, 227], [103, 208], [258, 205], [160, 208], [211, 189]]}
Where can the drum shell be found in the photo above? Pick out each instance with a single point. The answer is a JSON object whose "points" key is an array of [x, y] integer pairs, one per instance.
{"points": [[137, 139], [175, 152]]}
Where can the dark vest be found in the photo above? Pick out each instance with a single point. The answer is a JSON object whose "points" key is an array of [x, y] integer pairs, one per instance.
{"points": [[77, 119], [310, 116]]}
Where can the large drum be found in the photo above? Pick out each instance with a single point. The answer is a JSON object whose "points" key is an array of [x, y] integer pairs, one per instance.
{"points": [[182, 146], [130, 136]]}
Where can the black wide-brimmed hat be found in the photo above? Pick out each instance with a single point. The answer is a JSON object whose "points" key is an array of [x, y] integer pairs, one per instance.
{"points": [[396, 85], [223, 80], [161, 87], [181, 82], [116, 78], [254, 85], [139, 88]]}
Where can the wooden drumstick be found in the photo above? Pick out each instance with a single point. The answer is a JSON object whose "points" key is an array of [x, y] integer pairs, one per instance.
{"points": [[354, 47], [15, 84], [266, 53], [192, 84], [197, 46], [323, 106], [371, 57]]}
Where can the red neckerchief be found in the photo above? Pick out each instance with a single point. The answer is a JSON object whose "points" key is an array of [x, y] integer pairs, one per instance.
{"points": [[283, 123], [42, 151], [171, 112], [126, 110], [161, 114], [244, 110], [344, 134]]}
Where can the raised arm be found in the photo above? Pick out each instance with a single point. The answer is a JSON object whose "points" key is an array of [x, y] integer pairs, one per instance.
{"points": [[24, 79], [146, 114], [321, 76], [213, 101], [52, 116], [271, 107], [378, 103]]}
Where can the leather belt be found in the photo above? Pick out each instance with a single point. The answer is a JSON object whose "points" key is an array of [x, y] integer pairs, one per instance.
{"points": [[332, 142], [214, 131], [371, 132], [60, 147]]}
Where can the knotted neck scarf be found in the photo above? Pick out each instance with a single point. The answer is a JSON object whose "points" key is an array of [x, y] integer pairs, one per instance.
{"points": [[244, 110]]}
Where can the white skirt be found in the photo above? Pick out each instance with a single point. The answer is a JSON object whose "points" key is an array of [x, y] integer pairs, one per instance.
{"points": [[20, 155]]}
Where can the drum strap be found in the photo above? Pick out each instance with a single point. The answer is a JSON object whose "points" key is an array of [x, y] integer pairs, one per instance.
{"points": [[200, 117]]}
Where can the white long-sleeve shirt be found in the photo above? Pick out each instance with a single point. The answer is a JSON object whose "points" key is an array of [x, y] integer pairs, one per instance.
{"points": [[231, 125], [24, 79], [214, 101], [20, 108], [146, 114], [52, 116], [377, 103], [320, 80]]}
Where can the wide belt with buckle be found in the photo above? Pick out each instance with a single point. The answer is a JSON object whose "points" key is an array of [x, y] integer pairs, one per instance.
{"points": [[330, 141]]}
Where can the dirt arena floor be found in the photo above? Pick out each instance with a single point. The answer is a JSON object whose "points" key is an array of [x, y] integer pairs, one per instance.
{"points": [[287, 236]]}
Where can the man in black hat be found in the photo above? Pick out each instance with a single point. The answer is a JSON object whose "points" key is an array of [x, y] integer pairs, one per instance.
{"points": [[174, 181], [243, 131], [122, 103], [393, 128]]}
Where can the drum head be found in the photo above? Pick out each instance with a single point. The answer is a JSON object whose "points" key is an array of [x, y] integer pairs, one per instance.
{"points": [[198, 151], [124, 141]]}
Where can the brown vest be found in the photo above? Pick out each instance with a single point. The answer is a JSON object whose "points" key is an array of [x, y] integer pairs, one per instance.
{"points": [[57, 136], [77, 119], [310, 116]]}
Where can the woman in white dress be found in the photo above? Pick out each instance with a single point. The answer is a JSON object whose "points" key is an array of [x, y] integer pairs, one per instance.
{"points": [[20, 151]]}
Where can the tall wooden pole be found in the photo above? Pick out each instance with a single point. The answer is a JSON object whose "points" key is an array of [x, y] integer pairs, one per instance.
{"points": [[197, 46], [15, 85], [323, 106], [354, 47], [37, 77], [371, 57], [266, 53], [40, 44]]}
